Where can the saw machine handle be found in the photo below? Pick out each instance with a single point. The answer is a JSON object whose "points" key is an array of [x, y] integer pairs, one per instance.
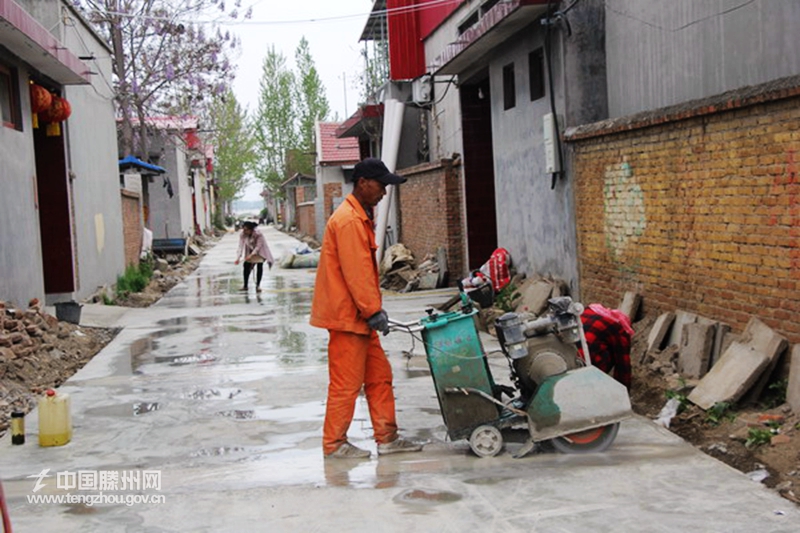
{"points": [[410, 327]]}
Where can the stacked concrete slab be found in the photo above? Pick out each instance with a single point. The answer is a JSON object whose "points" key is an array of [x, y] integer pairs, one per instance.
{"points": [[740, 366], [630, 304], [697, 342], [793, 389], [535, 292]]}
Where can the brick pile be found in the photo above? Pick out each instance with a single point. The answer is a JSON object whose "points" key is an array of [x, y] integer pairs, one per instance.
{"points": [[38, 352]]}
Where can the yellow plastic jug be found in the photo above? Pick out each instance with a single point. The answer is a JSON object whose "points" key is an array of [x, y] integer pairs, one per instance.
{"points": [[55, 421]]}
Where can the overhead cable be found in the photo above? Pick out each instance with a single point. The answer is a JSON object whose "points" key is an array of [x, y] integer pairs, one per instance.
{"points": [[221, 22]]}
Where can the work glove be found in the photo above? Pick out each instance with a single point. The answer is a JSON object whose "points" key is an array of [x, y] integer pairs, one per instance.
{"points": [[379, 322]]}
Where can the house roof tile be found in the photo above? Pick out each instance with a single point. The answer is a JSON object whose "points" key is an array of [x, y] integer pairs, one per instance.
{"points": [[337, 150]]}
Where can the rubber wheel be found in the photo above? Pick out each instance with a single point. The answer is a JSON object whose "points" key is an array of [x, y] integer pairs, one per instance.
{"points": [[590, 441], [486, 441]]}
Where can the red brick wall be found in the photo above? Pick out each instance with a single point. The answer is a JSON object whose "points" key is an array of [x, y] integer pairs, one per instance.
{"points": [[331, 191], [431, 213], [698, 209], [306, 219], [131, 227]]}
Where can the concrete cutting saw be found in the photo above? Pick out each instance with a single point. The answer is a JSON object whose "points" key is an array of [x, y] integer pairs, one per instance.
{"points": [[557, 395]]}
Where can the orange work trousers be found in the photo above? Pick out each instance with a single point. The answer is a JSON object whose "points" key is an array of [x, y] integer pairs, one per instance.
{"points": [[354, 361]]}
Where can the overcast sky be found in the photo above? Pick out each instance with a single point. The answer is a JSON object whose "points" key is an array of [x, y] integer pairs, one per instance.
{"points": [[332, 29], [333, 42]]}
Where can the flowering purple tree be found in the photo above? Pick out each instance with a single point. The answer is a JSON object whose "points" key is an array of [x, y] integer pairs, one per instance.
{"points": [[169, 57]]}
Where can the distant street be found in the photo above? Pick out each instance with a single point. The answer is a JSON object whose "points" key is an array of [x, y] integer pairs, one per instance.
{"points": [[221, 394]]}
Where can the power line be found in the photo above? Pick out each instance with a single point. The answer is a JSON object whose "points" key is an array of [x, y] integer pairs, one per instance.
{"points": [[688, 24], [372, 14], [70, 22]]}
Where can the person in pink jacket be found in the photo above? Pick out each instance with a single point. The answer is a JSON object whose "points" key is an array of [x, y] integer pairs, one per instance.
{"points": [[253, 247]]}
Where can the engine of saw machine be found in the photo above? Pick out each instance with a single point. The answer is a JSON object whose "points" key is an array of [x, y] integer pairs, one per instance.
{"points": [[541, 347]]}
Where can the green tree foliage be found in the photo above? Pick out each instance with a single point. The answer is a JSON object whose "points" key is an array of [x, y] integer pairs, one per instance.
{"points": [[234, 146], [312, 104], [275, 131], [290, 102]]}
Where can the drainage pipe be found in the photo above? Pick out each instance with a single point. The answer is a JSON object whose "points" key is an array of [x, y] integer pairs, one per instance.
{"points": [[392, 126]]}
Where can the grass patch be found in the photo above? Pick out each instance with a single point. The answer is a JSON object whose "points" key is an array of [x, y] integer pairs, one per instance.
{"points": [[758, 437], [507, 297], [720, 412], [135, 278], [775, 394], [683, 400]]}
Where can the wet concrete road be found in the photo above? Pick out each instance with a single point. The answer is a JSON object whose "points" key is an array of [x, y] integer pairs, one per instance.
{"points": [[223, 394]]}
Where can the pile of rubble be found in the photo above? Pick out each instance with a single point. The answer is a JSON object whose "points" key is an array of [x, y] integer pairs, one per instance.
{"points": [[736, 396], [526, 296], [399, 272], [716, 365], [37, 352]]}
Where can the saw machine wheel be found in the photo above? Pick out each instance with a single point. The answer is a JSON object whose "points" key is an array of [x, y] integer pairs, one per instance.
{"points": [[590, 441], [486, 441]]}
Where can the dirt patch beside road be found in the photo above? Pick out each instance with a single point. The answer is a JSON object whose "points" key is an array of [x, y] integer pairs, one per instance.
{"points": [[38, 352], [750, 438]]}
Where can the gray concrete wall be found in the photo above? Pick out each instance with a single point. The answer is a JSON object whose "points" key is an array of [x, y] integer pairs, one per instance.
{"points": [[535, 223], [166, 218], [92, 146], [663, 53], [47, 12], [445, 116], [445, 120], [21, 276], [184, 190]]}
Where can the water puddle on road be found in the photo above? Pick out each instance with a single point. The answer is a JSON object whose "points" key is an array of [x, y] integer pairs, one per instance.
{"points": [[187, 359], [218, 452], [238, 414], [487, 480], [213, 394], [125, 409], [302, 412], [235, 339], [426, 497], [416, 373]]}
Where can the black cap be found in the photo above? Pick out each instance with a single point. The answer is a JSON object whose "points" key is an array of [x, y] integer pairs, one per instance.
{"points": [[374, 169]]}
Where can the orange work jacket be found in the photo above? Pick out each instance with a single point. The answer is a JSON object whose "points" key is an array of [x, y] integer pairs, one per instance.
{"points": [[347, 290]]}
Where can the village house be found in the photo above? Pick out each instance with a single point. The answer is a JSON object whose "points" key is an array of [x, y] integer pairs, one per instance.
{"points": [[60, 204]]}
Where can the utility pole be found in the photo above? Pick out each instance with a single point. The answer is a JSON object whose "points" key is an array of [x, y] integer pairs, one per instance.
{"points": [[344, 88]]}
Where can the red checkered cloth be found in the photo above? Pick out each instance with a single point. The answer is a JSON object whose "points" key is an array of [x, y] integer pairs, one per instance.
{"points": [[608, 336]]}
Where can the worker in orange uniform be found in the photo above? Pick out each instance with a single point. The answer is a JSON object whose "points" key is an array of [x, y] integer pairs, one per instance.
{"points": [[347, 302]]}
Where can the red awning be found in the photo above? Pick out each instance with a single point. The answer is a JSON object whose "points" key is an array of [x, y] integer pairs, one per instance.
{"points": [[364, 121]]}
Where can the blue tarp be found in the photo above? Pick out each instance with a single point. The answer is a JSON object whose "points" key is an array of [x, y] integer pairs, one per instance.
{"points": [[131, 161]]}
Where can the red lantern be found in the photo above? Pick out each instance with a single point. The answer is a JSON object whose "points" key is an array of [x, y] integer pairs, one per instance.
{"points": [[41, 100], [59, 111]]}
